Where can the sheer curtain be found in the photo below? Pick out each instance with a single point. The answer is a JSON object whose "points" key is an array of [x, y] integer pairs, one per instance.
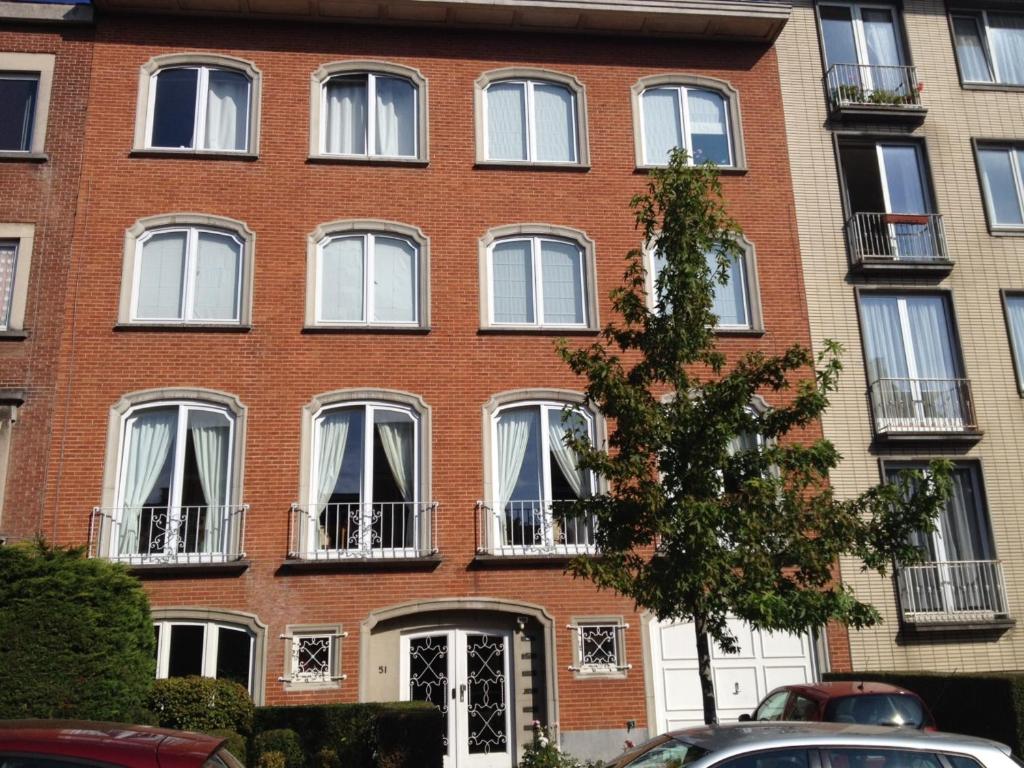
{"points": [[346, 116], [217, 269], [565, 457], [210, 439], [341, 280], [227, 110], [161, 276], [1015, 316], [933, 357], [514, 428], [334, 429], [1006, 39], [149, 444], [396, 117], [883, 50], [513, 281], [971, 50], [707, 128], [730, 300], [562, 273], [883, 338], [553, 113], [396, 437], [506, 121], [964, 532], [394, 278], [663, 130]]}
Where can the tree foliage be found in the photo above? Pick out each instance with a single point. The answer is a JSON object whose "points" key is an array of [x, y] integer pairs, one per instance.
{"points": [[76, 640], [701, 521]]}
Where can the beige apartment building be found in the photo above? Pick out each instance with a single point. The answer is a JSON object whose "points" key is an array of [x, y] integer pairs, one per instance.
{"points": [[906, 139]]}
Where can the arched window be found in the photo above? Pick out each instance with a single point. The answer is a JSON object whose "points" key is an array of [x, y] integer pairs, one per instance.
{"points": [[699, 114], [198, 103]]}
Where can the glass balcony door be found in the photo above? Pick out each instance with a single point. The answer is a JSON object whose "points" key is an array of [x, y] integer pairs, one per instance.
{"points": [[863, 42]]}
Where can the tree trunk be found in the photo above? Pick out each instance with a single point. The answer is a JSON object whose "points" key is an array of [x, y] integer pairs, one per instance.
{"points": [[707, 686]]}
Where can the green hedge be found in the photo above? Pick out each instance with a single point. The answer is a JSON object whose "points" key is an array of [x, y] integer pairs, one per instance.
{"points": [[284, 741], [393, 735], [201, 704], [989, 705]]}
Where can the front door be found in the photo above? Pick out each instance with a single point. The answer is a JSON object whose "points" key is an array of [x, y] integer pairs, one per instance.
{"points": [[466, 673]]}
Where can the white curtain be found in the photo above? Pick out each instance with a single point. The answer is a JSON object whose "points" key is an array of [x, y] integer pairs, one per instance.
{"points": [[227, 110], [512, 265], [394, 278], [1006, 38], [663, 130], [218, 265], [883, 338], [1015, 314], [161, 276], [506, 121], [929, 330], [514, 428], [880, 37], [999, 185], [396, 117], [341, 280], [346, 116], [964, 532], [730, 300], [707, 113], [8, 263], [565, 457], [149, 443], [396, 437], [970, 50], [553, 113], [210, 438], [562, 273]]}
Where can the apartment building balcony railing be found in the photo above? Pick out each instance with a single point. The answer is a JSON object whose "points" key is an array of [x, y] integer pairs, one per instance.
{"points": [[873, 92], [363, 531], [923, 408], [530, 529], [954, 592], [898, 241], [170, 536]]}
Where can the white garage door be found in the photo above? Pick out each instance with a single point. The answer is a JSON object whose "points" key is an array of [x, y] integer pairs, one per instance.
{"points": [[765, 661]]}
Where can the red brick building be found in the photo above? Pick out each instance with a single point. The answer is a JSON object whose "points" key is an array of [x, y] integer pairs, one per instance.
{"points": [[307, 380]]}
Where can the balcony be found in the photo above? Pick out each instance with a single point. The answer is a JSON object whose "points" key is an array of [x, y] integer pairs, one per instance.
{"points": [[875, 93], [923, 409], [363, 533], [960, 592], [165, 536], [898, 242], [528, 529]]}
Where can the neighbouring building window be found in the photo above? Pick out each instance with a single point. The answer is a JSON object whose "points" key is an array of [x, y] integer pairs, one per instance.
{"points": [[16, 242], [1002, 183], [694, 118], [599, 646], [990, 46], [1014, 305], [26, 80], [530, 116], [8, 269], [208, 649], [313, 655]]}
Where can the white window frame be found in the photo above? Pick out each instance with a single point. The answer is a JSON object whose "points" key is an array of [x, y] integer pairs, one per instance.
{"points": [[371, 115], [684, 110], [619, 667], [536, 242], [981, 23], [7, 303], [192, 233], [369, 408], [38, 66], [857, 22], [199, 138], [369, 264], [211, 639], [1015, 170], [529, 84], [293, 638]]}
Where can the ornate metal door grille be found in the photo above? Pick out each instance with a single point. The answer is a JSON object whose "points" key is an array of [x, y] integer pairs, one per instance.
{"points": [[485, 657], [428, 675]]}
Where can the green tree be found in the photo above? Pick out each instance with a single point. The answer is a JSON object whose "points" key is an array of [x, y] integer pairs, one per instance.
{"points": [[700, 522], [76, 640]]}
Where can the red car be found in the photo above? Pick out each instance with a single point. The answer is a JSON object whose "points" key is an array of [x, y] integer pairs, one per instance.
{"points": [[845, 702], [66, 743]]}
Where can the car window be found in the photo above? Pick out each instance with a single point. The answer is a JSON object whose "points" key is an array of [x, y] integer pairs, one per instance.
{"points": [[669, 754], [42, 761], [772, 707], [803, 709], [876, 709], [779, 758], [869, 757], [959, 761]]}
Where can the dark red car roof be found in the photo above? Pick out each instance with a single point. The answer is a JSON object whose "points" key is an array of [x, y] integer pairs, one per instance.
{"points": [[839, 688], [133, 746]]}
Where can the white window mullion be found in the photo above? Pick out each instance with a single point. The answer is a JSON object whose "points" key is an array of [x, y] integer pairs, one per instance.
{"points": [[883, 177], [574, 125], [174, 513], [151, 107], [531, 122], [163, 649], [210, 637], [538, 281], [202, 96], [684, 122], [1017, 183], [188, 279], [908, 341], [366, 481], [545, 468], [371, 116], [987, 42], [369, 265]]}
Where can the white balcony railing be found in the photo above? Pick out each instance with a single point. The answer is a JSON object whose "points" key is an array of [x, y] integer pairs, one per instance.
{"points": [[165, 535], [872, 85], [896, 237], [387, 530], [528, 528], [913, 406], [960, 591]]}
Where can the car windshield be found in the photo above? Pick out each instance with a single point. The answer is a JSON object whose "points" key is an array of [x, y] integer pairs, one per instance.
{"points": [[876, 709], [668, 754], [222, 758]]}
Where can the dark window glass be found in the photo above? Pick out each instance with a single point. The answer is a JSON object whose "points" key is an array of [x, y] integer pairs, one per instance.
{"points": [[234, 655], [876, 709], [959, 761], [17, 111], [174, 108], [669, 754], [805, 710], [43, 761], [869, 757], [186, 656], [782, 758]]}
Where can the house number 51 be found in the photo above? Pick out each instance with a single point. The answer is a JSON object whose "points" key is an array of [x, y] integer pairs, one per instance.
{"points": [[382, 670]]}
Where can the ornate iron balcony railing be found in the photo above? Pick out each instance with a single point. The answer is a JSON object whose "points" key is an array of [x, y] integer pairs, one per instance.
{"points": [[922, 406], [872, 85], [906, 238], [166, 535], [387, 530], [960, 591], [528, 528]]}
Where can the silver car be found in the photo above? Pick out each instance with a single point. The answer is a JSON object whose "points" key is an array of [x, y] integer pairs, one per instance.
{"points": [[815, 745]]}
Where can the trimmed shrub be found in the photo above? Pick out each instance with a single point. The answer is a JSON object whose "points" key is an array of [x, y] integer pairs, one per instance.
{"points": [[235, 742], [76, 639], [987, 705], [282, 740], [271, 760], [201, 704], [395, 735]]}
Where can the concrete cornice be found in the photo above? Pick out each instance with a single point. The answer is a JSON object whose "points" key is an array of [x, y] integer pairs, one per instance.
{"points": [[45, 13], [746, 20]]}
